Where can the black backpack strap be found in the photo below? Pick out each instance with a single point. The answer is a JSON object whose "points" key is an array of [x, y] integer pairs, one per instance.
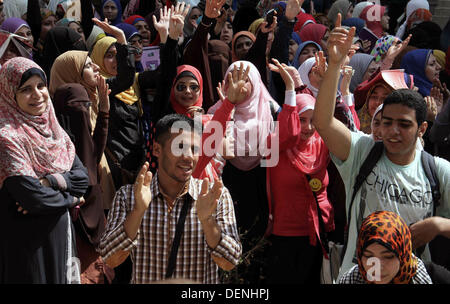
{"points": [[364, 171], [176, 240], [429, 166]]}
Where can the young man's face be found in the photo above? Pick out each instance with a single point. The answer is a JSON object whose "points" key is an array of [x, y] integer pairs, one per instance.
{"points": [[178, 156], [399, 131]]}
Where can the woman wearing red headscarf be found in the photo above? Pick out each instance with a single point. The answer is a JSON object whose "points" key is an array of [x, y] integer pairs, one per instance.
{"points": [[298, 202], [315, 32], [377, 19]]}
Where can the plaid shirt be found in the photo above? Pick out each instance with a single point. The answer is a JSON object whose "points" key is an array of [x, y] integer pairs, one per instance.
{"points": [[353, 276], [150, 249]]}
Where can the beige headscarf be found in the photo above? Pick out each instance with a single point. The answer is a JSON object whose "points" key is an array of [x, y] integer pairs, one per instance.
{"points": [[68, 68]]}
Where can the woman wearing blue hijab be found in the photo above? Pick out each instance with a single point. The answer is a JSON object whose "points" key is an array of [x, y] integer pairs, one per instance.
{"points": [[422, 64], [134, 39], [304, 51], [112, 9], [358, 23]]}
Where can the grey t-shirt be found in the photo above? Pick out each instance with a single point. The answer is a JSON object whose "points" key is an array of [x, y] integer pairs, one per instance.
{"points": [[404, 190]]}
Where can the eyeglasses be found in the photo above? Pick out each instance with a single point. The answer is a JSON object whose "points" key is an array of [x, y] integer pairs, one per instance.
{"points": [[193, 87]]}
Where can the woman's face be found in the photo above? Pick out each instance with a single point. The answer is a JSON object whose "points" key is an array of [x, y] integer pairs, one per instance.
{"points": [[136, 41], [226, 35], [376, 127], [373, 67], [77, 28], [110, 10], [323, 41], [90, 72], [389, 264], [242, 46], [46, 25], [32, 96], [385, 21], [307, 52], [187, 91], [306, 124], [293, 46], [349, 12], [25, 32], [194, 15], [432, 68], [110, 61], [11, 52], [314, 78], [377, 97], [144, 31]]}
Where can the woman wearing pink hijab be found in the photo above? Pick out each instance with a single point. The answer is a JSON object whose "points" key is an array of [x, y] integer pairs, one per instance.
{"points": [[297, 192], [244, 175]]}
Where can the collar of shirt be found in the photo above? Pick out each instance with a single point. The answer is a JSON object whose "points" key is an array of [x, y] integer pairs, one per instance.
{"points": [[193, 189]]}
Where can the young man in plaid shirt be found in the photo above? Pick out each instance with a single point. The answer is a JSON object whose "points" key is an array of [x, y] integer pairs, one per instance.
{"points": [[144, 216]]}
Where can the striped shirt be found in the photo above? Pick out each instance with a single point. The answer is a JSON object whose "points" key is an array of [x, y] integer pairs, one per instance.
{"points": [[150, 249]]}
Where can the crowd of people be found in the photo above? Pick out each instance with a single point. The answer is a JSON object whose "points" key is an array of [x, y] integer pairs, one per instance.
{"points": [[200, 141]]}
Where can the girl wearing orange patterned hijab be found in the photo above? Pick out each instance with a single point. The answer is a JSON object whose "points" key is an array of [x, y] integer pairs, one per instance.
{"points": [[384, 253]]}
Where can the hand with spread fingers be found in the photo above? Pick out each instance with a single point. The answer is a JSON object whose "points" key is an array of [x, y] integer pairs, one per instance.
{"points": [[162, 26], [213, 7], [431, 108], [293, 8], [177, 18], [141, 188], [237, 89], [438, 97], [321, 64], [111, 29], [207, 200], [397, 48]]}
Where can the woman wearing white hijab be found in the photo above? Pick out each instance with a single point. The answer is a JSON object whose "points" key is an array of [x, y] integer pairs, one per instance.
{"points": [[411, 7]]}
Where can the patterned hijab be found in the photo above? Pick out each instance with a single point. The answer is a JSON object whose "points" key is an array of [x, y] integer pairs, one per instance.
{"points": [[390, 230], [382, 46], [30, 145]]}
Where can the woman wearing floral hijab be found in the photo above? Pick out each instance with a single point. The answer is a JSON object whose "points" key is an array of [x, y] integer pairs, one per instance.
{"points": [[385, 239], [41, 178]]}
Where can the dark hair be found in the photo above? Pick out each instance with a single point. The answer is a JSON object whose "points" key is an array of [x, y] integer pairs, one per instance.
{"points": [[30, 73], [163, 126], [410, 99]]}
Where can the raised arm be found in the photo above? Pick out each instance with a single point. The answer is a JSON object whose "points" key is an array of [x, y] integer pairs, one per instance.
{"points": [[87, 13], [196, 52], [335, 134]]}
